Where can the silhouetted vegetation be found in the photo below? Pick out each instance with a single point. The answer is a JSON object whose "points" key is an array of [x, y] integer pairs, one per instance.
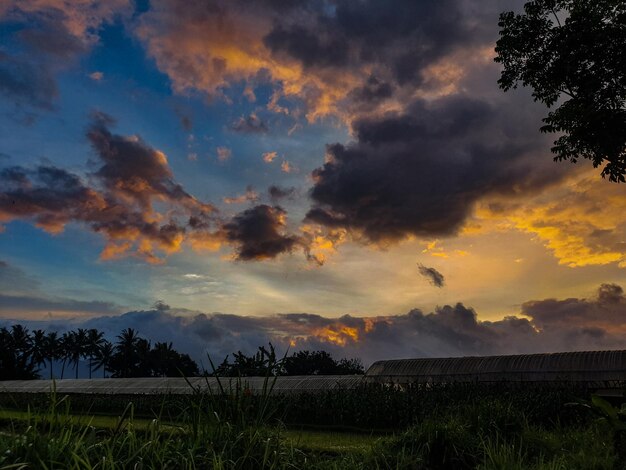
{"points": [[22, 354], [265, 362], [573, 55], [458, 426]]}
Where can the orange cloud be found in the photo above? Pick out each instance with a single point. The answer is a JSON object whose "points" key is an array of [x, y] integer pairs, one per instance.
{"points": [[286, 167], [81, 18], [582, 222], [268, 157], [337, 334], [210, 48]]}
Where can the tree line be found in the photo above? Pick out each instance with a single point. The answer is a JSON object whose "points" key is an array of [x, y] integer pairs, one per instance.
{"points": [[24, 353]]}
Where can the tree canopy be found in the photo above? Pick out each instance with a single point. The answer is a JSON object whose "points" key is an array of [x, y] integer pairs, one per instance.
{"points": [[572, 53]]}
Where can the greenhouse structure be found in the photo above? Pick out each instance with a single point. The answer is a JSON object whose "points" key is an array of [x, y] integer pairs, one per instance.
{"points": [[600, 370]]}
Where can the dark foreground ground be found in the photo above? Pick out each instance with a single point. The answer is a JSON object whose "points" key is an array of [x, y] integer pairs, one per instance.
{"points": [[449, 427]]}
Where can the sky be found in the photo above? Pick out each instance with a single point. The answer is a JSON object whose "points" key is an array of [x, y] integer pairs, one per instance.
{"points": [[333, 174]]}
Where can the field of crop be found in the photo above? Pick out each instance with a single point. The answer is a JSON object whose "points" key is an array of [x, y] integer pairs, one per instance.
{"points": [[445, 427]]}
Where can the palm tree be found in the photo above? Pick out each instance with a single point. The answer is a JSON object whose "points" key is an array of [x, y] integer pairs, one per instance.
{"points": [[104, 357], [162, 355], [37, 350], [126, 349], [52, 349], [95, 339], [21, 343], [144, 359], [64, 349], [77, 347]]}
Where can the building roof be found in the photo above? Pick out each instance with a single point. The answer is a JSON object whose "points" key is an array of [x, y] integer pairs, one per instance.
{"points": [[569, 366], [179, 386]]}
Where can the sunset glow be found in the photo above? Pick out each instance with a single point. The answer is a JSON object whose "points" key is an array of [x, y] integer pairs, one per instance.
{"points": [[332, 174]]}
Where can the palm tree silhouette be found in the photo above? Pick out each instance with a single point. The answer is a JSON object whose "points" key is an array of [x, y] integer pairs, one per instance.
{"points": [[126, 349], [95, 339], [104, 357], [37, 351], [52, 349], [77, 347]]}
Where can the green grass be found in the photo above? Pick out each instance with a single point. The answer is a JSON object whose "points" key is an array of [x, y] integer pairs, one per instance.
{"points": [[240, 431]]}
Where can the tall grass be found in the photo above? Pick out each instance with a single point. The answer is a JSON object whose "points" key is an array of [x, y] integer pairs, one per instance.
{"points": [[233, 428]]}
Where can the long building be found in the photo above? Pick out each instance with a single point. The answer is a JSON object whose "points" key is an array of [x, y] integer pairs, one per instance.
{"points": [[597, 368], [600, 370]]}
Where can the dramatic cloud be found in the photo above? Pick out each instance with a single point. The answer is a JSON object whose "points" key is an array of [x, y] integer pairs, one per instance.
{"points": [[329, 56], [51, 34], [581, 222], [131, 179], [451, 330], [251, 124], [258, 232], [604, 313], [433, 276], [138, 206], [420, 172]]}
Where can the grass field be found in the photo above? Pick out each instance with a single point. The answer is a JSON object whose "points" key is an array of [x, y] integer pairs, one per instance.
{"points": [[459, 430]]}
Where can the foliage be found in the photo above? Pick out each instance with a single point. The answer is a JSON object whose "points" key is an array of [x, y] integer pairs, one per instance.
{"points": [[16, 360], [572, 54], [320, 363], [299, 363], [22, 353], [223, 431]]}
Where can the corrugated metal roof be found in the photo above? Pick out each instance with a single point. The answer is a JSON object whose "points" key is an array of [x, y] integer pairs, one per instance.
{"points": [[589, 366], [180, 386]]}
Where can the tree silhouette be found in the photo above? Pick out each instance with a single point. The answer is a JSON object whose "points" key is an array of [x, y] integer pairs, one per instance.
{"points": [[126, 357], [52, 349], [104, 357], [64, 350], [37, 350], [77, 347], [573, 53], [95, 339], [15, 360]]}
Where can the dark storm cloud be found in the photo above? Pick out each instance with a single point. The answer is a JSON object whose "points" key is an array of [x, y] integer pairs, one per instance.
{"points": [[276, 192], [250, 124], [373, 91], [309, 47], [132, 168], [258, 233], [420, 171], [433, 276], [130, 178], [134, 200], [403, 36], [451, 330], [606, 310]]}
